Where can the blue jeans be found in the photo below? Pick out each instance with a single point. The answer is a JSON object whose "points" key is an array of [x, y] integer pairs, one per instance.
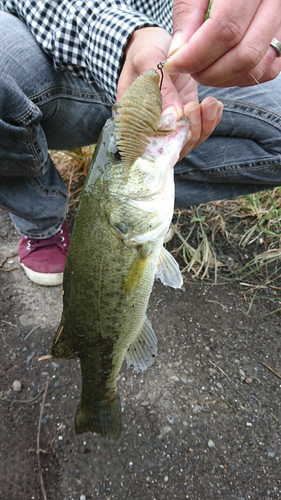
{"points": [[43, 109]]}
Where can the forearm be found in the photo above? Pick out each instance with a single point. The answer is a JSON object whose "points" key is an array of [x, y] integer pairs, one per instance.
{"points": [[86, 38]]}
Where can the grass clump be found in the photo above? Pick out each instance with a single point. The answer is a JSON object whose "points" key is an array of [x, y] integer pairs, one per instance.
{"points": [[233, 239], [73, 167]]}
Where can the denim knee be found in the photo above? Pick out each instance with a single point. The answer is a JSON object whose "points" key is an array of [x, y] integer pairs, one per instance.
{"points": [[23, 146]]}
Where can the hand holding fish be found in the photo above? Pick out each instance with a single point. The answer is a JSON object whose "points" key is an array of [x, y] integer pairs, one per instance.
{"points": [[146, 48], [231, 46]]}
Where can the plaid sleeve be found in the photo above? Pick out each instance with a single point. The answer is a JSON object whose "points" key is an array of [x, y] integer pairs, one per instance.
{"points": [[87, 38]]}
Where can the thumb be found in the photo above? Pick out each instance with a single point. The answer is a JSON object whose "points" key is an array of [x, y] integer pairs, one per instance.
{"points": [[188, 16]]}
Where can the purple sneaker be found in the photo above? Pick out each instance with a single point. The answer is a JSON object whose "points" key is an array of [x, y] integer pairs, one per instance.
{"points": [[43, 260]]}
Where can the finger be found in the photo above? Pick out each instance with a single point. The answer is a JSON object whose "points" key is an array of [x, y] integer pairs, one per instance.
{"points": [[267, 61], [186, 87], [272, 72], [224, 29], [268, 69], [211, 113], [187, 18], [203, 120], [249, 79], [244, 57], [171, 101]]}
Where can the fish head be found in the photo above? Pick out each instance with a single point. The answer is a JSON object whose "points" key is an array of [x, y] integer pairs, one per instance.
{"points": [[135, 157], [155, 190]]}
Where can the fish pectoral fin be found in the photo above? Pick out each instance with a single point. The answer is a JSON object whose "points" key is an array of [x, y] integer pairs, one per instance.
{"points": [[142, 352], [168, 270], [135, 273]]}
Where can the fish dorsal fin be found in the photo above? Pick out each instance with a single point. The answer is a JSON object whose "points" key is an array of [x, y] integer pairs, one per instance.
{"points": [[168, 270], [142, 352], [138, 117]]}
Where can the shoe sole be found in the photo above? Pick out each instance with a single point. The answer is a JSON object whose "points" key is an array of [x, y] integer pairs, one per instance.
{"points": [[43, 279]]}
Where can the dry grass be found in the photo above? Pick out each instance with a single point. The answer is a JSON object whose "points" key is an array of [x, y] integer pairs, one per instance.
{"points": [[252, 222], [73, 167], [201, 258]]}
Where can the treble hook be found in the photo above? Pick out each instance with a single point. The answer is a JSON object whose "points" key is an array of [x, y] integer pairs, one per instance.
{"points": [[160, 66]]}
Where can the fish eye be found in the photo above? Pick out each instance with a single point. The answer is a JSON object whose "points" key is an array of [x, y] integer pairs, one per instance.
{"points": [[117, 155], [113, 150]]}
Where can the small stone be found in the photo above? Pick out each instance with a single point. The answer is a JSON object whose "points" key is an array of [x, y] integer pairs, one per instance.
{"points": [[25, 320], [166, 479], [174, 378], [82, 497], [17, 386], [271, 454], [197, 409], [170, 419], [242, 374], [29, 357], [211, 443], [230, 262], [248, 380], [165, 430]]}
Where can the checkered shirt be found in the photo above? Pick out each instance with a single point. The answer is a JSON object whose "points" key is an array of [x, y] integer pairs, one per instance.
{"points": [[88, 38]]}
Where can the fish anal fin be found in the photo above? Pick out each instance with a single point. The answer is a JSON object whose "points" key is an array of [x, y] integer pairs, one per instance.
{"points": [[168, 270], [59, 348], [103, 418], [142, 352]]}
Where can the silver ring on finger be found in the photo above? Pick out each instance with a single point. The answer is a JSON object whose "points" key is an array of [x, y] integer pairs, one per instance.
{"points": [[276, 45]]}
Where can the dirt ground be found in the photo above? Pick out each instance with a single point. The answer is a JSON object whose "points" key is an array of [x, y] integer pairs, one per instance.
{"points": [[202, 424]]}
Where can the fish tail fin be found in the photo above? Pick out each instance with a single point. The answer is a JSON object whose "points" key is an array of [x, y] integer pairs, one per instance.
{"points": [[59, 348], [104, 418]]}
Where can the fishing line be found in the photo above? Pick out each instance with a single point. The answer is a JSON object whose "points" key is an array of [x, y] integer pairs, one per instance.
{"points": [[265, 91]]}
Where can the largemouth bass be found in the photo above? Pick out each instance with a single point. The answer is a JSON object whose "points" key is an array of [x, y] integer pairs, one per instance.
{"points": [[117, 250]]}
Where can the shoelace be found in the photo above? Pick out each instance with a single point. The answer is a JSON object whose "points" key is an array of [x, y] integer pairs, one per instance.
{"points": [[57, 240]]}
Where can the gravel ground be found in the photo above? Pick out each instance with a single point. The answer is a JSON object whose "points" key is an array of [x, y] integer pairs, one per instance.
{"points": [[202, 424]]}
